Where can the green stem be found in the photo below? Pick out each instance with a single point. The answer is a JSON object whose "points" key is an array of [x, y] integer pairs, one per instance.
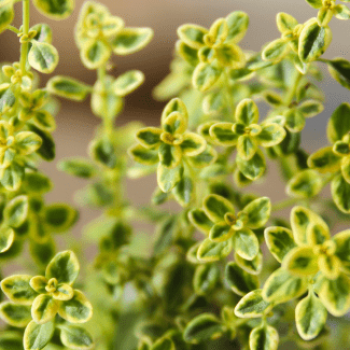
{"points": [[284, 204], [292, 91], [25, 46], [13, 29]]}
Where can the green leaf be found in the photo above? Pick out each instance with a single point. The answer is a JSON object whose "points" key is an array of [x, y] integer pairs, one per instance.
{"points": [[170, 156], [60, 217], [341, 193], [300, 219], [204, 159], [55, 9], [305, 184], [252, 305], [188, 53], [175, 105], [75, 310], [206, 278], [192, 144], [43, 33], [253, 267], [16, 211], [43, 57], [27, 142], [342, 240], [339, 123], [95, 53], [36, 336], [7, 236], [301, 261], [246, 146], [7, 15], [12, 177], [285, 22], [192, 35], [102, 151], [216, 207], [222, 134], [342, 12], [335, 295], [130, 40], [47, 150], [281, 287], [237, 23], [339, 69], [128, 82], [77, 166], [258, 212], [310, 108], [43, 120], [315, 3], [7, 98], [203, 328], [239, 280], [280, 241], [276, 50], [271, 135], [210, 251], [247, 112], [163, 344], [168, 178], [246, 243], [184, 191], [75, 337], [175, 124], [205, 76], [221, 231], [310, 317], [295, 120], [64, 267], [44, 308], [15, 315], [200, 220], [253, 168], [264, 337], [324, 160], [18, 290], [313, 41], [143, 155], [67, 87]]}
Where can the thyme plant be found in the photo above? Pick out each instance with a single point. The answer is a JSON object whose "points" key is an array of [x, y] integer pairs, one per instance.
{"points": [[225, 269]]}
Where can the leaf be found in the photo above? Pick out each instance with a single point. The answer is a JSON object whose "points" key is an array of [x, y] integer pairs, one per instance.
{"points": [[335, 295], [192, 144], [43, 120], [295, 120], [102, 151], [15, 315], [205, 76], [27, 142], [168, 178], [313, 41], [252, 305], [311, 108], [246, 243], [163, 344], [43, 57], [36, 336], [80, 167], [285, 22], [175, 105], [67, 87], [263, 337], [188, 53], [222, 134], [16, 211], [202, 328], [301, 261], [130, 40], [7, 97], [12, 177], [246, 146], [253, 267], [339, 69], [240, 281], [271, 134], [324, 160], [60, 217], [280, 241], [305, 184], [258, 212], [43, 33], [247, 112], [210, 251], [7, 236], [75, 337], [54, 9], [64, 267], [18, 290], [206, 278], [216, 207], [7, 15], [254, 168], [144, 155], [237, 23], [220, 232], [95, 53], [44, 309], [128, 82], [276, 50], [200, 220], [339, 123], [11, 340], [192, 35], [281, 286], [75, 310], [184, 191]]}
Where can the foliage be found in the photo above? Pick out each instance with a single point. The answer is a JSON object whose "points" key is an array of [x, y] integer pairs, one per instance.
{"points": [[188, 292]]}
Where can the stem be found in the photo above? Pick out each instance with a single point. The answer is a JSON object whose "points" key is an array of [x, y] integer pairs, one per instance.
{"points": [[13, 29], [292, 91], [284, 204], [25, 46]]}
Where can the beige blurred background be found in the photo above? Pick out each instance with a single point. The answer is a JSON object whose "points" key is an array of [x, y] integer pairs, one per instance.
{"points": [[75, 121]]}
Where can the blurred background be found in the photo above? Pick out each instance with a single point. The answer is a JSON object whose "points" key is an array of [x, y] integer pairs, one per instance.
{"points": [[75, 122]]}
